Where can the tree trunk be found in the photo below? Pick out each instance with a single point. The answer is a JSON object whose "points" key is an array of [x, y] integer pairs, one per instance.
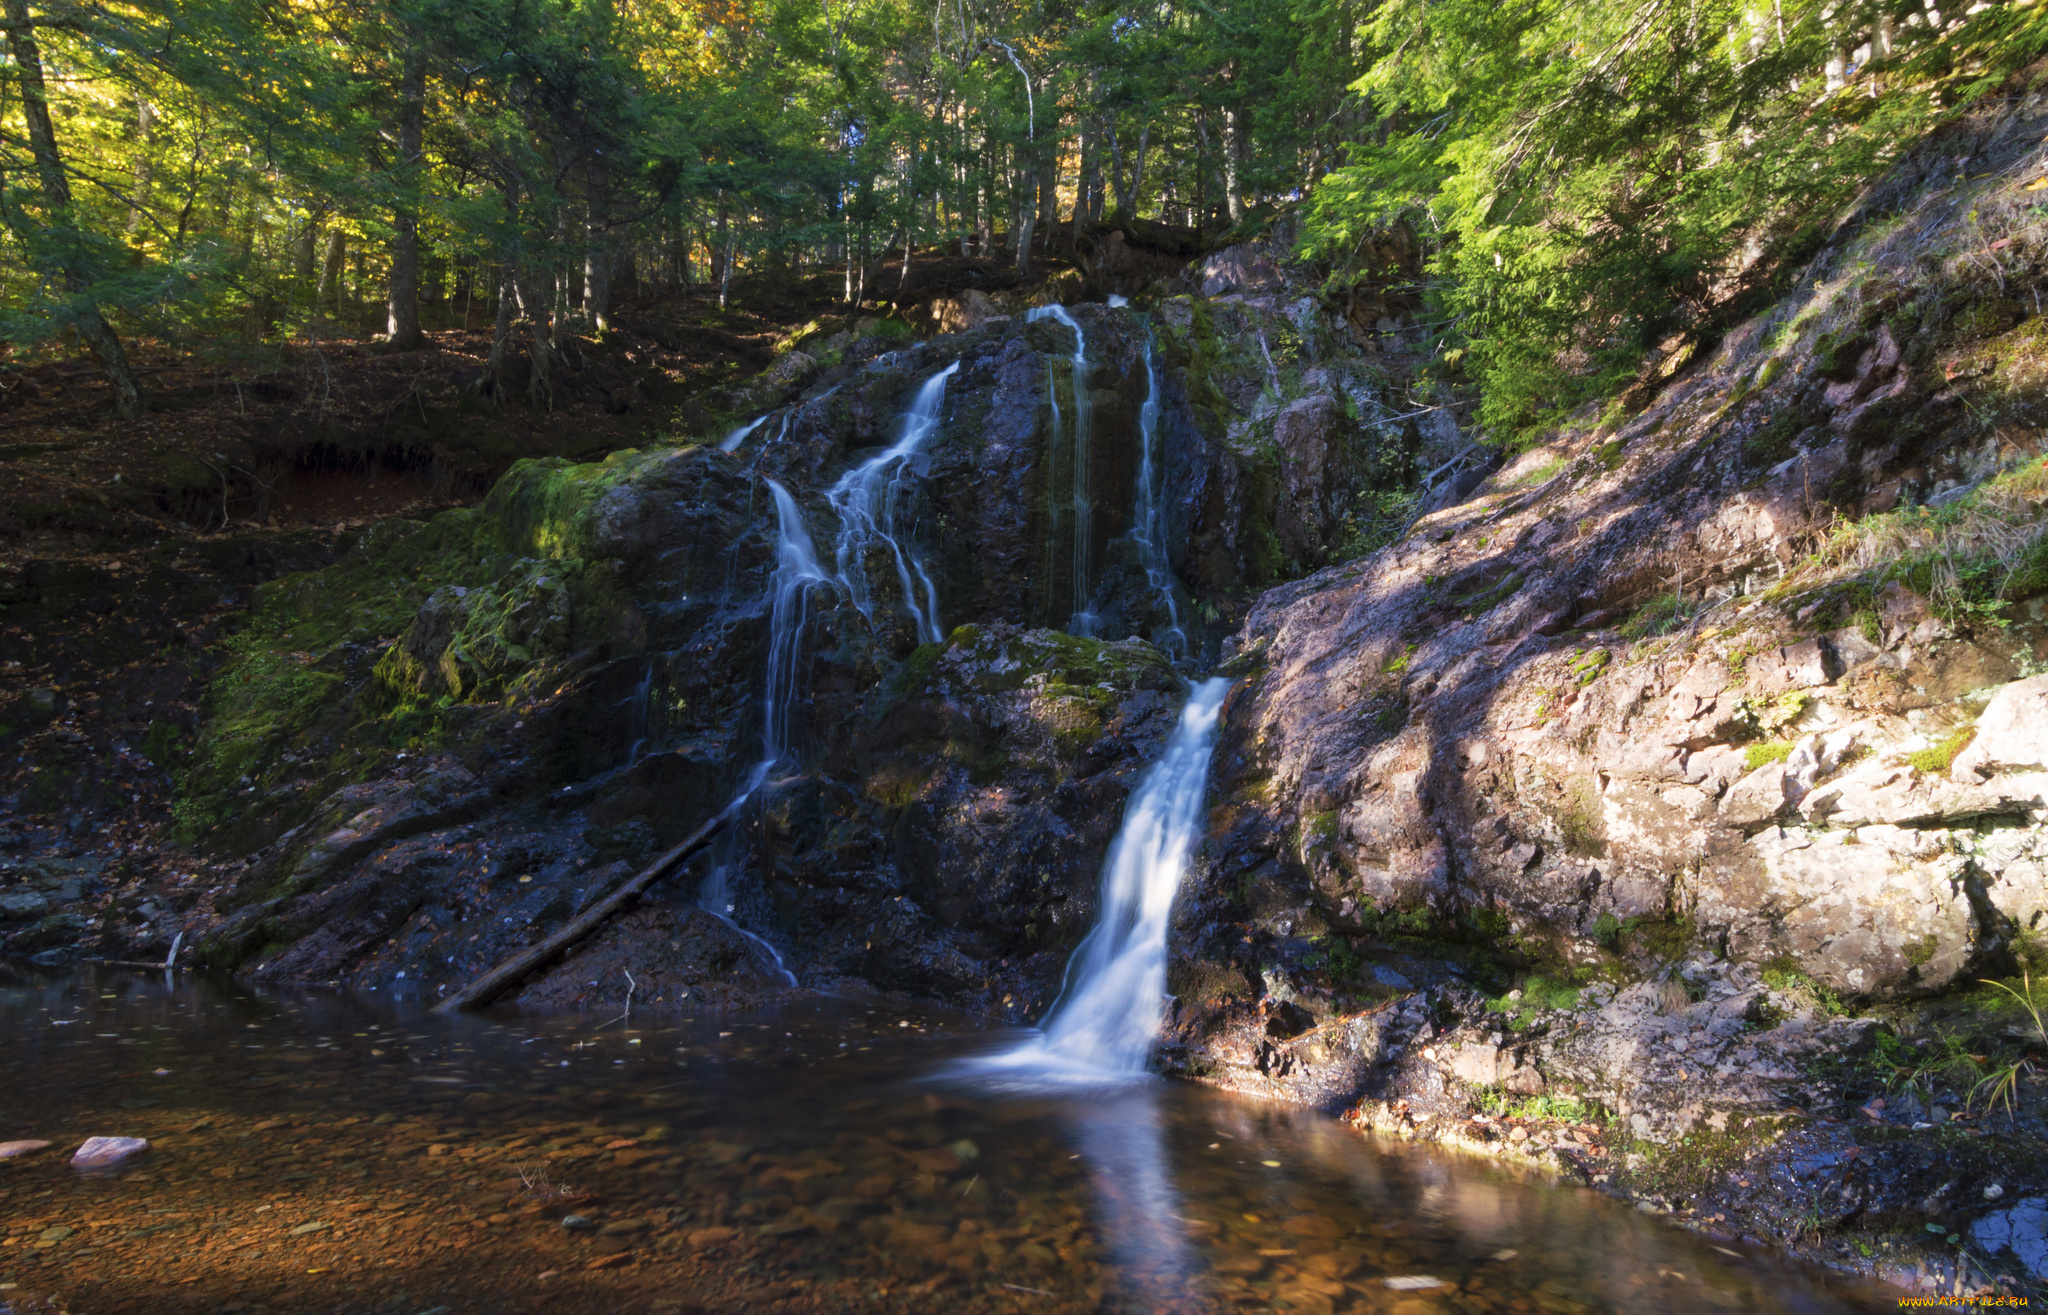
{"points": [[1138, 169], [402, 317], [145, 168], [597, 257], [1119, 181], [538, 302], [1233, 189], [330, 271], [1024, 188], [493, 383], [1082, 166], [42, 136]]}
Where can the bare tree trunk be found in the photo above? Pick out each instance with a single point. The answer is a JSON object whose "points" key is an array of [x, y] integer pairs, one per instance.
{"points": [[985, 234], [330, 271], [597, 258], [732, 238], [42, 135], [1138, 169], [1119, 180], [538, 304], [1083, 166], [1025, 190], [501, 336], [145, 168], [402, 318], [1233, 190]]}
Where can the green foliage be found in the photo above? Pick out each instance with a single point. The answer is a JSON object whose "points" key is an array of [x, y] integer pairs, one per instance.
{"points": [[2001, 1085], [1587, 171], [1665, 612], [1937, 758], [1538, 994], [1543, 1108], [1784, 977], [1768, 751]]}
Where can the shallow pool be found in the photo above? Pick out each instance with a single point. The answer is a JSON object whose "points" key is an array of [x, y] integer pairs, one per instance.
{"points": [[320, 1153]]}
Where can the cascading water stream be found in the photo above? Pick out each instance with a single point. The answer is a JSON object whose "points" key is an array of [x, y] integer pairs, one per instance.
{"points": [[796, 570], [1107, 1016], [1083, 621], [731, 442], [1149, 524], [867, 499]]}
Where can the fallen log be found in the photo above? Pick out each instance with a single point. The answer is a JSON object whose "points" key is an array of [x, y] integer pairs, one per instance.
{"points": [[509, 973]]}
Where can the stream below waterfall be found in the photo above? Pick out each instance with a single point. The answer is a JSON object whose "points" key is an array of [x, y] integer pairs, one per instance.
{"points": [[806, 1158]]}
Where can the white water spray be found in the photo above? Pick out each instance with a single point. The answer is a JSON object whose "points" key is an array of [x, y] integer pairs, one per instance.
{"points": [[867, 499], [1149, 524], [731, 442], [1107, 1016], [1084, 620]]}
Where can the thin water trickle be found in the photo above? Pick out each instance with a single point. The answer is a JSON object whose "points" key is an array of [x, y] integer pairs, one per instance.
{"points": [[731, 442], [868, 499], [1107, 1017], [1084, 620], [796, 570], [1148, 526]]}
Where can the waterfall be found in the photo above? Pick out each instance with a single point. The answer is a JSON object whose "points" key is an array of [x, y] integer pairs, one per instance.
{"points": [[1109, 1009], [1084, 620], [731, 442], [1148, 526], [866, 499], [796, 570]]}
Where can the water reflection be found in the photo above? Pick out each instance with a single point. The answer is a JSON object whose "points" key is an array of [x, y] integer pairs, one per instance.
{"points": [[1123, 1142], [794, 1159]]}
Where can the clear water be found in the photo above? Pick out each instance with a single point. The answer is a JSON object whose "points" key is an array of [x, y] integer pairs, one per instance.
{"points": [[869, 499], [802, 1159], [1107, 1016]]}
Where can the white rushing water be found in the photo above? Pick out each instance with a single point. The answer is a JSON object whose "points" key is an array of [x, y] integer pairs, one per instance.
{"points": [[1083, 620], [796, 570], [731, 442], [1108, 1013], [1148, 526], [867, 499]]}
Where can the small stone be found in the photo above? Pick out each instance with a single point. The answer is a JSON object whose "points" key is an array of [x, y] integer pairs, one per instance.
{"points": [[105, 1152], [10, 1149], [578, 1223], [605, 1262], [1413, 1282], [1991, 1193], [623, 1227], [1519, 1135], [55, 1234], [304, 1229], [709, 1237]]}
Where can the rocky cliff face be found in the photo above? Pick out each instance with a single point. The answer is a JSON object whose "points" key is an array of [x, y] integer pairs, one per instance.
{"points": [[1694, 770], [466, 732]]}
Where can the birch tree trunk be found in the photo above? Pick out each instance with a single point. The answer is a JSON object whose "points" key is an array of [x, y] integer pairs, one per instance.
{"points": [[402, 302]]}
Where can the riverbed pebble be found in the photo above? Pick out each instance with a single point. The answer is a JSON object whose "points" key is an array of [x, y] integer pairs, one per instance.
{"points": [[106, 1152]]}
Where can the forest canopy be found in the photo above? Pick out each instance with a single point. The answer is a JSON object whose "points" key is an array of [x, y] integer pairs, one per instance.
{"points": [[1586, 181]]}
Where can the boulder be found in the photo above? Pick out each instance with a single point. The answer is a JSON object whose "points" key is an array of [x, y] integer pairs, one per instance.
{"points": [[2012, 733]]}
